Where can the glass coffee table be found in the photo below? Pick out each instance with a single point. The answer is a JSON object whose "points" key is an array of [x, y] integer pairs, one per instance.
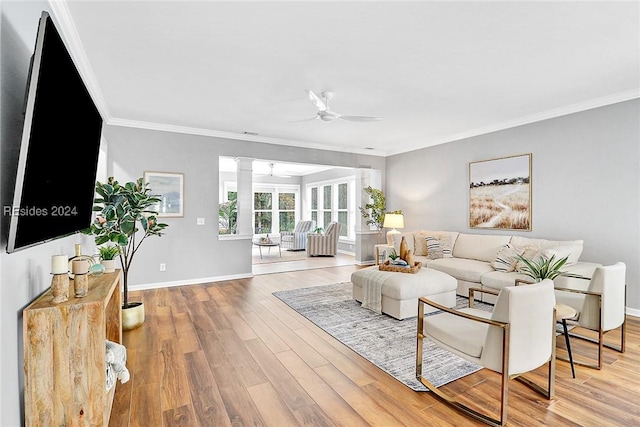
{"points": [[269, 245]]}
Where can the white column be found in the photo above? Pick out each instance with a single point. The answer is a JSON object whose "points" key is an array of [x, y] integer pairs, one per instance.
{"points": [[245, 196], [366, 237]]}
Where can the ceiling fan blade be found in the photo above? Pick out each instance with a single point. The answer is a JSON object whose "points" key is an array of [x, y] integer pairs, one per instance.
{"points": [[360, 118], [315, 100]]}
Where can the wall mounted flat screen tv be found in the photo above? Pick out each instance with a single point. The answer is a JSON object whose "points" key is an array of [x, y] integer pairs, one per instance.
{"points": [[56, 173]]}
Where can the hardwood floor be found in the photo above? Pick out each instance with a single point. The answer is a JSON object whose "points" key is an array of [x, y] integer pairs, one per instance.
{"points": [[231, 354]]}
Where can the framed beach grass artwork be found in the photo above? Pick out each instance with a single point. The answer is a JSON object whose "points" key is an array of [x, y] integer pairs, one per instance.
{"points": [[500, 193]]}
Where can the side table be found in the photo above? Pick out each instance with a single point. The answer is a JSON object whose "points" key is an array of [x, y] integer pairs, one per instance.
{"points": [[564, 312], [269, 245], [380, 250]]}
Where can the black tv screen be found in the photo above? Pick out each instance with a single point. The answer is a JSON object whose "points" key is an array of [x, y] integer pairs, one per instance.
{"points": [[59, 150]]}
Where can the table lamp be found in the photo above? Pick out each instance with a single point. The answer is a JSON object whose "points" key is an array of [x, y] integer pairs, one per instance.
{"points": [[393, 221]]}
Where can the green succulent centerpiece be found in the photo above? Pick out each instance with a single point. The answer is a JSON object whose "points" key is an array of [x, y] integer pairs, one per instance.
{"points": [[125, 218]]}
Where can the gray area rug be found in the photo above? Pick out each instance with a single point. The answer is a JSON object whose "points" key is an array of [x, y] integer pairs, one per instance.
{"points": [[386, 342]]}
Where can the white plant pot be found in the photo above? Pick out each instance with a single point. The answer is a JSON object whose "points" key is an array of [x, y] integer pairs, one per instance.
{"points": [[109, 265], [132, 317]]}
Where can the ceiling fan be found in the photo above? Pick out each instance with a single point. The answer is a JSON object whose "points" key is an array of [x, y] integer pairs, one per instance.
{"points": [[326, 115], [271, 166]]}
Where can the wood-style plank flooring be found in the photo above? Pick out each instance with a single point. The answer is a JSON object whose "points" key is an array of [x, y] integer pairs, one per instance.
{"points": [[231, 354]]}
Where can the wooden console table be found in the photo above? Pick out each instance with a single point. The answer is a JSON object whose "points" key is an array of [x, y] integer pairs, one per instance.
{"points": [[64, 355]]}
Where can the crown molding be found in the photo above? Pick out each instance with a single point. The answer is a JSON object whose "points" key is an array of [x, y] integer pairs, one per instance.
{"points": [[66, 25], [533, 118], [114, 121]]}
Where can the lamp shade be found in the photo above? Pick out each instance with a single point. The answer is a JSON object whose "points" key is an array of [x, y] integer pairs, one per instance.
{"points": [[393, 221]]}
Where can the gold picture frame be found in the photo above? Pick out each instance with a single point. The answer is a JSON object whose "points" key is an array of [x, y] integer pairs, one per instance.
{"points": [[169, 188], [500, 193]]}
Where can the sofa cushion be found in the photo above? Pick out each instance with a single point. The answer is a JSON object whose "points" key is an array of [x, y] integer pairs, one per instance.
{"points": [[461, 268], [561, 248], [457, 332], [498, 279], [506, 258], [397, 238], [479, 247]]}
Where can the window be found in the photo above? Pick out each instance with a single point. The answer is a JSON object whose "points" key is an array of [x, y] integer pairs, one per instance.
{"points": [[276, 208], [314, 205], [287, 211], [343, 211], [228, 208], [334, 201], [326, 205], [228, 214], [262, 217]]}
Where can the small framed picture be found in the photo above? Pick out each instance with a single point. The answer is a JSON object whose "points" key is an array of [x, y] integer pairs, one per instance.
{"points": [[169, 188]]}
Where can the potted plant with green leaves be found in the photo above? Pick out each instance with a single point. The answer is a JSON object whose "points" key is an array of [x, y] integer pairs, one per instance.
{"points": [[108, 254], [227, 214], [126, 217], [545, 268], [374, 211]]}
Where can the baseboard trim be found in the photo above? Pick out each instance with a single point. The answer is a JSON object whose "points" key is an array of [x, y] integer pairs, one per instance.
{"points": [[195, 281], [633, 312]]}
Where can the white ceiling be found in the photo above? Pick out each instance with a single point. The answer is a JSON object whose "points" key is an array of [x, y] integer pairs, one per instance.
{"points": [[273, 167], [435, 71]]}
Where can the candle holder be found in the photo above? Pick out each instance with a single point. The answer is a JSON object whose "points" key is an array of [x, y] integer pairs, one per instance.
{"points": [[81, 285], [75, 266], [60, 288]]}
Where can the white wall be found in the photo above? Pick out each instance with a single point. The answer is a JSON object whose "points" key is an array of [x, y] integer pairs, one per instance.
{"points": [[585, 183], [24, 274], [191, 252]]}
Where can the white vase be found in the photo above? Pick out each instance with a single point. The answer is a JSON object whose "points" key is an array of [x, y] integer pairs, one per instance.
{"points": [[133, 316], [109, 265]]}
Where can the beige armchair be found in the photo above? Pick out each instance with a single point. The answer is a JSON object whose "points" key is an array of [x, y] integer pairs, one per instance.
{"points": [[600, 307], [517, 337], [324, 244]]}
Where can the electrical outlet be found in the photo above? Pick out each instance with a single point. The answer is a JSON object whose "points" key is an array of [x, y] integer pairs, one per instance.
{"points": [[200, 221], [163, 266]]}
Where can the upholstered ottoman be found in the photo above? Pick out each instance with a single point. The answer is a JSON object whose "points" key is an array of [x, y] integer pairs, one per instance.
{"points": [[400, 291]]}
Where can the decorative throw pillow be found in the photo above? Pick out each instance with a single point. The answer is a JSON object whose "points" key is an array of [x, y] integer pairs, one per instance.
{"points": [[445, 244], [528, 252], [420, 244], [434, 249], [507, 258]]}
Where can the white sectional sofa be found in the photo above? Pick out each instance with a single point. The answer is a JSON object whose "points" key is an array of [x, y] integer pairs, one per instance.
{"points": [[473, 258]]}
